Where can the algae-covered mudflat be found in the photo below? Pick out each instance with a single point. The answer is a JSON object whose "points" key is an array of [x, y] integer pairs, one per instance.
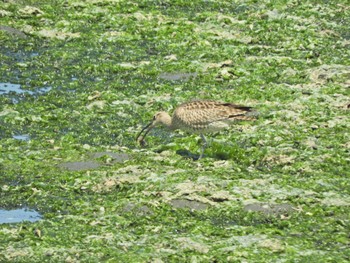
{"points": [[79, 79]]}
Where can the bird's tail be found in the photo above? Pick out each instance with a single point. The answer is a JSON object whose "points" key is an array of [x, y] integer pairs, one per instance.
{"points": [[247, 114]]}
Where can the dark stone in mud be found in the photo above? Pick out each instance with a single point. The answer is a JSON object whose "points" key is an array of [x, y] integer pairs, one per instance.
{"points": [[193, 205], [268, 209], [79, 166], [118, 157]]}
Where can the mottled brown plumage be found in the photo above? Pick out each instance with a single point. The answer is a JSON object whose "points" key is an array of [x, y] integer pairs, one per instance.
{"points": [[199, 116]]}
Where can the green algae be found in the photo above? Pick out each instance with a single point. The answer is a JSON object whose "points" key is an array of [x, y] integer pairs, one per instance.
{"points": [[111, 65]]}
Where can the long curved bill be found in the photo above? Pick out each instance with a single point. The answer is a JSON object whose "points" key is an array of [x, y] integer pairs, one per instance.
{"points": [[141, 138]]}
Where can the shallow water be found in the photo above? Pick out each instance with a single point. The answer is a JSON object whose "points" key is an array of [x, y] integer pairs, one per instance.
{"points": [[18, 215], [16, 92], [21, 137], [10, 87], [7, 87]]}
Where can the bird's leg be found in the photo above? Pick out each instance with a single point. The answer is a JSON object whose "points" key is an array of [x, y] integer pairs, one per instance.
{"points": [[204, 145]]}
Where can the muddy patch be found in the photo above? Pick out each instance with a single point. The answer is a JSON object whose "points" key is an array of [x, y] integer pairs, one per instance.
{"points": [[116, 157], [325, 73], [269, 209], [13, 31], [108, 158], [177, 76], [137, 209], [188, 244], [79, 166], [272, 244], [188, 204]]}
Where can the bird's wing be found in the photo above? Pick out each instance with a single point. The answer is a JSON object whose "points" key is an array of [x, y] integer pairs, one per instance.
{"points": [[202, 113]]}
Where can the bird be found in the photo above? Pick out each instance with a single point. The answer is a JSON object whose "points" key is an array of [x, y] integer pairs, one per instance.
{"points": [[199, 117]]}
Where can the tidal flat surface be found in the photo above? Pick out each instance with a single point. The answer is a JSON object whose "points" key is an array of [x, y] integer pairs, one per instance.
{"points": [[79, 80]]}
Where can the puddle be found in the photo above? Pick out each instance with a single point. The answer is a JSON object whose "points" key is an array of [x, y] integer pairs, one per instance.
{"points": [[15, 89], [177, 76], [21, 137], [6, 88], [18, 215]]}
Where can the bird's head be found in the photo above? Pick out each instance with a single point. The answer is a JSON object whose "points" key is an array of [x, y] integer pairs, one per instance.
{"points": [[160, 118]]}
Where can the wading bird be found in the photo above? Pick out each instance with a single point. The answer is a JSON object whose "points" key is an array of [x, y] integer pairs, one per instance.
{"points": [[199, 116]]}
